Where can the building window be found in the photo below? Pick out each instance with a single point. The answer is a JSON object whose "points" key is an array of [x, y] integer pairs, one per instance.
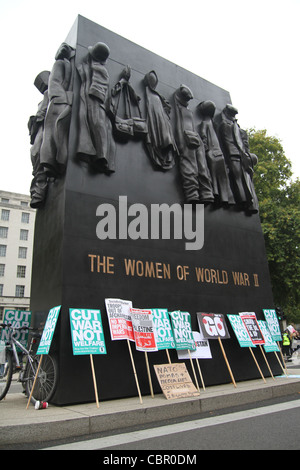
{"points": [[25, 218], [1, 293], [22, 252], [3, 232], [24, 204], [3, 251], [20, 290], [5, 214], [4, 200], [21, 271], [2, 270], [24, 234]]}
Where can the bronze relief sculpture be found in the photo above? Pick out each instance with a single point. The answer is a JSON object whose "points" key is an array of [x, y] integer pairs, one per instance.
{"points": [[196, 180]]}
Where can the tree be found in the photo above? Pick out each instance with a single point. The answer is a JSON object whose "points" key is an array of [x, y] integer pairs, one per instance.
{"points": [[279, 209]]}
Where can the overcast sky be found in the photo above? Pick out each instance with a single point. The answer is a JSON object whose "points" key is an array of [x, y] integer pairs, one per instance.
{"points": [[249, 48]]}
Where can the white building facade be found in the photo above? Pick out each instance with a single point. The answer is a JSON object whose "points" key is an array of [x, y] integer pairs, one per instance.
{"points": [[17, 220]]}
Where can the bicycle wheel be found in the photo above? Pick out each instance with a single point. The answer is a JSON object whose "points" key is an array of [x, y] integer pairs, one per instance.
{"points": [[47, 378], [6, 373]]}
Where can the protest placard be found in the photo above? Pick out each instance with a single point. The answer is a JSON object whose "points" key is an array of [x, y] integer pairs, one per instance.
{"points": [[48, 332], [243, 337], [255, 333], [202, 350], [17, 319], [182, 329], [250, 322], [163, 328], [45, 342], [270, 345], [143, 329], [240, 331], [175, 381], [119, 319], [273, 323], [87, 336], [86, 331], [213, 326]]}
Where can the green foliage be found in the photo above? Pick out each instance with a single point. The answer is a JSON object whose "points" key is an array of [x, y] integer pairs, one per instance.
{"points": [[279, 208]]}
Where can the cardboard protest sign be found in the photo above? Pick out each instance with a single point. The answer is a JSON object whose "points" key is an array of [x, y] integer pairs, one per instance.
{"points": [[17, 319], [143, 329], [182, 329], [270, 345], [213, 325], [86, 331], [240, 331], [49, 328], [119, 318], [250, 322], [202, 350], [273, 323], [163, 328], [175, 381]]}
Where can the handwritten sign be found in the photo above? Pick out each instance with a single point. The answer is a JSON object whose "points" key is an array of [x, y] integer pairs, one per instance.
{"points": [[175, 381], [86, 331]]}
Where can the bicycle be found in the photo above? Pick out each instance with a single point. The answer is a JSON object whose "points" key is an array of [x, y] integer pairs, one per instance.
{"points": [[47, 378]]}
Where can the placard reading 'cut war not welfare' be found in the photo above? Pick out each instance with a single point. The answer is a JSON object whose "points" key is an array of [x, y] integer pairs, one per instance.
{"points": [[86, 331], [49, 328], [163, 328]]}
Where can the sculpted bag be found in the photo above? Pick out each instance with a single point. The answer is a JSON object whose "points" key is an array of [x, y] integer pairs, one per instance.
{"points": [[192, 139]]}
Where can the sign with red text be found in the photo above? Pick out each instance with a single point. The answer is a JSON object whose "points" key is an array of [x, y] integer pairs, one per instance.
{"points": [[143, 329], [213, 325], [252, 326], [119, 319]]}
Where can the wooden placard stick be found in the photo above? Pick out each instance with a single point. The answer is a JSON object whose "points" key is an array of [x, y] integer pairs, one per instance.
{"points": [[266, 361], [286, 371], [275, 352], [168, 356], [33, 385], [226, 360], [200, 373], [149, 374], [94, 380], [198, 388], [134, 371], [257, 365]]}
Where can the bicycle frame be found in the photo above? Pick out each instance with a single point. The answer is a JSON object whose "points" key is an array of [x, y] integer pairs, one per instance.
{"points": [[13, 343]]}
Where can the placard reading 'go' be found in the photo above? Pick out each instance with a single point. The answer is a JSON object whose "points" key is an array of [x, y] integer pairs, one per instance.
{"points": [[86, 331]]}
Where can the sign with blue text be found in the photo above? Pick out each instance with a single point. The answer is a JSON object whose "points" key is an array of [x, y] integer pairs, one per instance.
{"points": [[86, 331], [49, 328]]}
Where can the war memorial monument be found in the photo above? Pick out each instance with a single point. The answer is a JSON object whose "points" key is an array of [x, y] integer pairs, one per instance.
{"points": [[143, 184]]}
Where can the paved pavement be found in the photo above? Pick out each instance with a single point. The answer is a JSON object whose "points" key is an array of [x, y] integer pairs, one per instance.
{"points": [[20, 425]]}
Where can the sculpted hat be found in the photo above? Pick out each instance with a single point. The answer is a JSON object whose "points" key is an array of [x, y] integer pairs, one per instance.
{"points": [[99, 51]]}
